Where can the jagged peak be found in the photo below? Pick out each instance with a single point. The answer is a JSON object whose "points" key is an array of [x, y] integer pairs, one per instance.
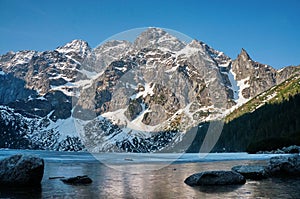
{"points": [[77, 45], [200, 44], [244, 55], [76, 42], [154, 30], [77, 49], [157, 37], [113, 43], [151, 35], [196, 43], [218, 56]]}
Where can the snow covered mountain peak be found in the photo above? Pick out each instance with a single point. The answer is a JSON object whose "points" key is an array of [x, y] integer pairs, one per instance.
{"points": [[158, 38], [195, 43], [79, 47]]}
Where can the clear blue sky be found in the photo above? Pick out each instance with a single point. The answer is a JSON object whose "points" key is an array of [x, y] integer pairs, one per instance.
{"points": [[268, 29]]}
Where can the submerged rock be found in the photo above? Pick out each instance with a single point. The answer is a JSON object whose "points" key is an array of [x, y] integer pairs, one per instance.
{"points": [[253, 172], [78, 180], [25, 170], [284, 165], [215, 178]]}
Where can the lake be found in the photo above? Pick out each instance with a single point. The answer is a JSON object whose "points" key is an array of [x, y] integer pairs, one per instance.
{"points": [[147, 176]]}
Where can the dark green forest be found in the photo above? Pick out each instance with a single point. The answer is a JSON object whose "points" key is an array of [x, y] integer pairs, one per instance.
{"points": [[269, 127]]}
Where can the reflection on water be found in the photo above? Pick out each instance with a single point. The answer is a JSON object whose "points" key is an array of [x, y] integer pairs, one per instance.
{"points": [[142, 180], [164, 183], [21, 192]]}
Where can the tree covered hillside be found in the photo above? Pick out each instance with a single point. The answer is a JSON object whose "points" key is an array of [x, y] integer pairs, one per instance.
{"points": [[269, 121]]}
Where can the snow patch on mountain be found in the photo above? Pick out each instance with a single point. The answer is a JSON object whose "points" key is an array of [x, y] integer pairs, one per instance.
{"points": [[234, 85], [242, 84], [188, 51], [118, 117], [65, 127], [148, 90], [238, 87]]}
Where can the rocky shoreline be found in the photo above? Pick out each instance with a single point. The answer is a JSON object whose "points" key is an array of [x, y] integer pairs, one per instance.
{"points": [[28, 170], [279, 166], [285, 150]]}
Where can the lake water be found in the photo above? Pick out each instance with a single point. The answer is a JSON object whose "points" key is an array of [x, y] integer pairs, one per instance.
{"points": [[147, 176]]}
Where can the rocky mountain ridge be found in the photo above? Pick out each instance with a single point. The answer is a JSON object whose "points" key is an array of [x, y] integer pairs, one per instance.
{"points": [[122, 96]]}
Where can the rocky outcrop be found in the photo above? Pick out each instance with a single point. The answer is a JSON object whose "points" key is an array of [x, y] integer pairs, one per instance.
{"points": [[13, 89], [106, 53], [254, 172], [215, 178], [259, 77], [21, 170], [284, 166], [284, 73], [133, 110]]}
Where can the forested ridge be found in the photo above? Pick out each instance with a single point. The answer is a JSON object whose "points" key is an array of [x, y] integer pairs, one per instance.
{"points": [[260, 124]]}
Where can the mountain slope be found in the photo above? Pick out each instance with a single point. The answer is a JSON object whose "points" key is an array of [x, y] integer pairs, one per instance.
{"points": [[276, 94], [272, 118]]}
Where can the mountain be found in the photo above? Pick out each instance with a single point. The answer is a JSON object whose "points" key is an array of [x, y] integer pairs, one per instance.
{"points": [[141, 96], [275, 95], [269, 121]]}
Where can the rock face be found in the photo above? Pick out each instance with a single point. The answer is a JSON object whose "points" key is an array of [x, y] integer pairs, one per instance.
{"points": [[21, 170], [215, 178], [259, 77], [251, 171], [284, 166], [106, 53]]}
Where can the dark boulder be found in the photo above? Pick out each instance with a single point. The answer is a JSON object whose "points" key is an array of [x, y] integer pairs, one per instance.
{"points": [[284, 166], [24, 170], [253, 172], [78, 180], [215, 178]]}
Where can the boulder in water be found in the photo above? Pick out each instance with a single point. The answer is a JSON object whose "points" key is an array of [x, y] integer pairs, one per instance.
{"points": [[254, 172], [215, 178], [284, 166], [25, 170], [78, 180]]}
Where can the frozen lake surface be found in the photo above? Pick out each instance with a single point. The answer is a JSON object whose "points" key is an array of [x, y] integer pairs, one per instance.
{"points": [[147, 176]]}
